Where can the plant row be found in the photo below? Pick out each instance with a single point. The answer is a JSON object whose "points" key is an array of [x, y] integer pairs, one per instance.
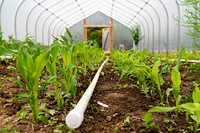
{"points": [[148, 70], [58, 66]]}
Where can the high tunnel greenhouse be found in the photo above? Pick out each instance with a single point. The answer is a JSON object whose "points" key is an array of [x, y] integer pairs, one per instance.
{"points": [[91, 66], [160, 20]]}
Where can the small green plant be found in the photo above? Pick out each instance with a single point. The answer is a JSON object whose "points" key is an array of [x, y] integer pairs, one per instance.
{"points": [[157, 78], [51, 68], [22, 113], [136, 34], [148, 125], [176, 79], [191, 109], [170, 128], [6, 130]]}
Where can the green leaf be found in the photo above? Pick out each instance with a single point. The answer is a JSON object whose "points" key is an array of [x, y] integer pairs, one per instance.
{"points": [[20, 99], [4, 51], [64, 39], [176, 78], [148, 117], [73, 85], [66, 55], [36, 53], [24, 95], [155, 68], [162, 109], [43, 118], [196, 95], [54, 51], [69, 33], [190, 106], [39, 64]]}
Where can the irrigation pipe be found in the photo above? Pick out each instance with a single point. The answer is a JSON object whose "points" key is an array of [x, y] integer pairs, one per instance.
{"points": [[75, 117], [183, 60], [191, 61]]}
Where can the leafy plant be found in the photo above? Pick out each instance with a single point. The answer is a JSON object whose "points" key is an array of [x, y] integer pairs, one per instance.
{"points": [[157, 78], [176, 79], [136, 34], [6, 130], [148, 125], [30, 67], [192, 109], [51, 68], [191, 15]]}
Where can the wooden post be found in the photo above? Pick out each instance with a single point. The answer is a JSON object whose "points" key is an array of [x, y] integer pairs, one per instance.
{"points": [[102, 40], [111, 35], [85, 30]]}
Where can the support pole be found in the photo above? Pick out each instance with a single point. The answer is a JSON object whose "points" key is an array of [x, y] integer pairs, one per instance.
{"points": [[85, 30], [111, 35]]}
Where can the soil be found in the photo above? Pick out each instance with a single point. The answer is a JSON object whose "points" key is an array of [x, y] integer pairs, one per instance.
{"points": [[126, 105]]}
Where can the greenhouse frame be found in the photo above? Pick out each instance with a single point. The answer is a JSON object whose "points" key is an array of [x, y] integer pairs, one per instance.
{"points": [[160, 20], [90, 66]]}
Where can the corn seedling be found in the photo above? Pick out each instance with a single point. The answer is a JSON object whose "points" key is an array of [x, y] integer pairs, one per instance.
{"points": [[30, 67], [51, 68], [176, 79], [157, 79], [193, 109], [148, 124]]}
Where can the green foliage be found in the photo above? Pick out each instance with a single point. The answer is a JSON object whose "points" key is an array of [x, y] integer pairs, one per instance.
{"points": [[157, 78], [95, 34], [136, 34], [196, 94], [176, 79], [159, 109], [59, 65], [148, 125], [6, 130], [132, 65], [191, 109], [30, 67], [192, 17]]}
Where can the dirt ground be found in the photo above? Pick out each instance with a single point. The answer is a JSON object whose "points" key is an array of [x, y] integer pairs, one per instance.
{"points": [[124, 114]]}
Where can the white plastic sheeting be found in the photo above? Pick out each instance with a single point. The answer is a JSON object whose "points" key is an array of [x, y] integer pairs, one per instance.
{"points": [[159, 19]]}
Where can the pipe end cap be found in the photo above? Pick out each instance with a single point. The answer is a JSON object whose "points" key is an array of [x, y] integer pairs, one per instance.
{"points": [[74, 119]]}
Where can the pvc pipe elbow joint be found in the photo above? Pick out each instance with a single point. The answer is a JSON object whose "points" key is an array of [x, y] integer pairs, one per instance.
{"points": [[74, 119]]}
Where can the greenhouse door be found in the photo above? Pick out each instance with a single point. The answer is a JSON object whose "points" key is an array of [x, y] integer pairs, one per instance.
{"points": [[105, 40], [107, 34]]}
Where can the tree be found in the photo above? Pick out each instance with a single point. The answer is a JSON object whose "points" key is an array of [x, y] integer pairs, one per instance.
{"points": [[136, 34], [192, 19]]}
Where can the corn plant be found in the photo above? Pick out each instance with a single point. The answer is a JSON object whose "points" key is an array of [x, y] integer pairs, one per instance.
{"points": [[132, 65], [30, 67], [141, 71], [51, 68], [157, 79], [176, 79], [191, 109], [68, 68]]}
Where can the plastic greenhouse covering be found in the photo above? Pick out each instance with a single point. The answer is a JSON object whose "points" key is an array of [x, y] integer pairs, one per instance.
{"points": [[160, 20]]}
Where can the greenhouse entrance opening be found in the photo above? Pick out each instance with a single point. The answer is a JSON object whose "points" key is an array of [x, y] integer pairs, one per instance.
{"points": [[95, 33], [102, 34]]}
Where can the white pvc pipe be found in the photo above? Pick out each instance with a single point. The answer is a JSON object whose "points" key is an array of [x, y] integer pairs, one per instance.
{"points": [[75, 117], [183, 60]]}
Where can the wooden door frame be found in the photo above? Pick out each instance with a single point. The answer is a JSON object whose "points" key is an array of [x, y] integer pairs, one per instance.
{"points": [[110, 29]]}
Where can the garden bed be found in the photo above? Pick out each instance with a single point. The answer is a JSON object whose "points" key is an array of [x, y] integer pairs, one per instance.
{"points": [[125, 112]]}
